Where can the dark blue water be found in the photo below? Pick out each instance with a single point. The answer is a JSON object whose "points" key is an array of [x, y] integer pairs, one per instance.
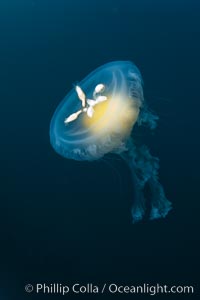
{"points": [[53, 227]]}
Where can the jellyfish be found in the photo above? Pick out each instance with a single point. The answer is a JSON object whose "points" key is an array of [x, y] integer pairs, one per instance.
{"points": [[99, 116]]}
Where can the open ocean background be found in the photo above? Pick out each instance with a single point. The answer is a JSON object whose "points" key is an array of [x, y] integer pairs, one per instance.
{"points": [[66, 221]]}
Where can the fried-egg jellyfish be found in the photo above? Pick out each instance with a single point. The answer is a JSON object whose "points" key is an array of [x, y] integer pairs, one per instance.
{"points": [[98, 117]]}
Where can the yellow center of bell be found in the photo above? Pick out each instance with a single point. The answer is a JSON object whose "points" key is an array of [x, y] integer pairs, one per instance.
{"points": [[112, 116], [99, 111]]}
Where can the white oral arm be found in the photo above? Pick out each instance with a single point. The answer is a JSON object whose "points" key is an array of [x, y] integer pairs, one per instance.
{"points": [[81, 95], [91, 102], [98, 89], [72, 117], [90, 111], [101, 99]]}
